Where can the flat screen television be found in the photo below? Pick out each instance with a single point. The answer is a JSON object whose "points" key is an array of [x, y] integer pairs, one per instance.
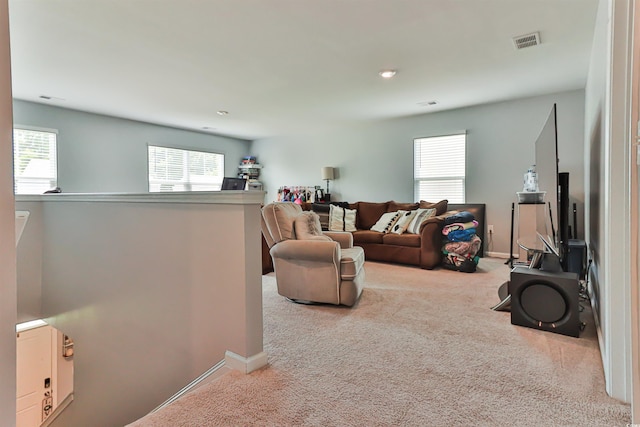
{"points": [[233, 183], [556, 184]]}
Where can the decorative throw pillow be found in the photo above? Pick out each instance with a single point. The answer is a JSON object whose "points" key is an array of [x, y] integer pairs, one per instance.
{"points": [[342, 219], [395, 206], [307, 227], [420, 216], [386, 222], [403, 222]]}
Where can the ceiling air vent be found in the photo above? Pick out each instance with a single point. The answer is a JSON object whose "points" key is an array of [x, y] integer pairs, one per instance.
{"points": [[527, 40]]}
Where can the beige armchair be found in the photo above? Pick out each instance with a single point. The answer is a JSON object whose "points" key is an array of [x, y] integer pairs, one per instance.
{"points": [[311, 265]]}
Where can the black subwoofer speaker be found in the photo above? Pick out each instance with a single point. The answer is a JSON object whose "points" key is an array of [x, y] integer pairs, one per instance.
{"points": [[545, 300]]}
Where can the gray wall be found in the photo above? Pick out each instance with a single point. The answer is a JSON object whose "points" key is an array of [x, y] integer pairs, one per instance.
{"points": [[608, 152], [375, 160], [99, 153], [594, 153], [29, 265], [153, 295]]}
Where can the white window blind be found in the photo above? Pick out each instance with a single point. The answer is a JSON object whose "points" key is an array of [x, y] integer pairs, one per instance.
{"points": [[175, 169], [35, 162], [439, 168]]}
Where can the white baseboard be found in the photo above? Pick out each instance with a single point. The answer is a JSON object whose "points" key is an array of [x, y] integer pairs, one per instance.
{"points": [[598, 326], [500, 255], [231, 361], [215, 372], [245, 364]]}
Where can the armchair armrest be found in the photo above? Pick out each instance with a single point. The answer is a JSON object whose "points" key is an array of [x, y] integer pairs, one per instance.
{"points": [[307, 250], [345, 238], [431, 242], [434, 220]]}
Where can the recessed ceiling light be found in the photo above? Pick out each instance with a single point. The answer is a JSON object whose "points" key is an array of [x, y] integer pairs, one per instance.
{"points": [[222, 112], [387, 74]]}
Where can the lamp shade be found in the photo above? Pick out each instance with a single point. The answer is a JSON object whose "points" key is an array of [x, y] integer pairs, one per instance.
{"points": [[327, 172]]}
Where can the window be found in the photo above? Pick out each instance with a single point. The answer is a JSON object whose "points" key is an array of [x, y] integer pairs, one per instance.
{"points": [[439, 168], [35, 163], [174, 169]]}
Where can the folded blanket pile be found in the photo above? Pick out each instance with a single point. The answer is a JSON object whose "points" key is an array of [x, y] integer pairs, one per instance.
{"points": [[460, 244]]}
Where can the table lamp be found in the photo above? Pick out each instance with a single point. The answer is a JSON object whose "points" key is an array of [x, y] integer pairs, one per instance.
{"points": [[327, 175]]}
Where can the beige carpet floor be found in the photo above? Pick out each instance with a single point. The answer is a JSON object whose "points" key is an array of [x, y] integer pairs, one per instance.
{"points": [[421, 348]]}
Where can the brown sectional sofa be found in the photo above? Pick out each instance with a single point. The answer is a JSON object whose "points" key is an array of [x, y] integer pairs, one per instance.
{"points": [[423, 250]]}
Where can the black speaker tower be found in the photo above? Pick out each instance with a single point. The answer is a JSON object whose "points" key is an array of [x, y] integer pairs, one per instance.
{"points": [[563, 217], [511, 258]]}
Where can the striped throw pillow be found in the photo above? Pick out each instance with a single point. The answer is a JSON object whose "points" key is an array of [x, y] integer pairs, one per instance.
{"points": [[421, 216]]}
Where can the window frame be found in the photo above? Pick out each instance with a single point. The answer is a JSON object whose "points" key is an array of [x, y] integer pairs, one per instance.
{"points": [[189, 184], [51, 180], [451, 177]]}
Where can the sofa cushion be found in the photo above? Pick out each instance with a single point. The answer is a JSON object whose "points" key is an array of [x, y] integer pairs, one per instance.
{"points": [[367, 236], [369, 213], [412, 240], [395, 206], [351, 262], [386, 221], [440, 207]]}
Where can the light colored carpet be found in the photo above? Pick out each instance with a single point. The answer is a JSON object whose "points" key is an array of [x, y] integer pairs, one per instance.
{"points": [[421, 348]]}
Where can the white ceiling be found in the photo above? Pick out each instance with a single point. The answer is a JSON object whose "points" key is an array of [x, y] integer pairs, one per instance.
{"points": [[278, 66]]}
